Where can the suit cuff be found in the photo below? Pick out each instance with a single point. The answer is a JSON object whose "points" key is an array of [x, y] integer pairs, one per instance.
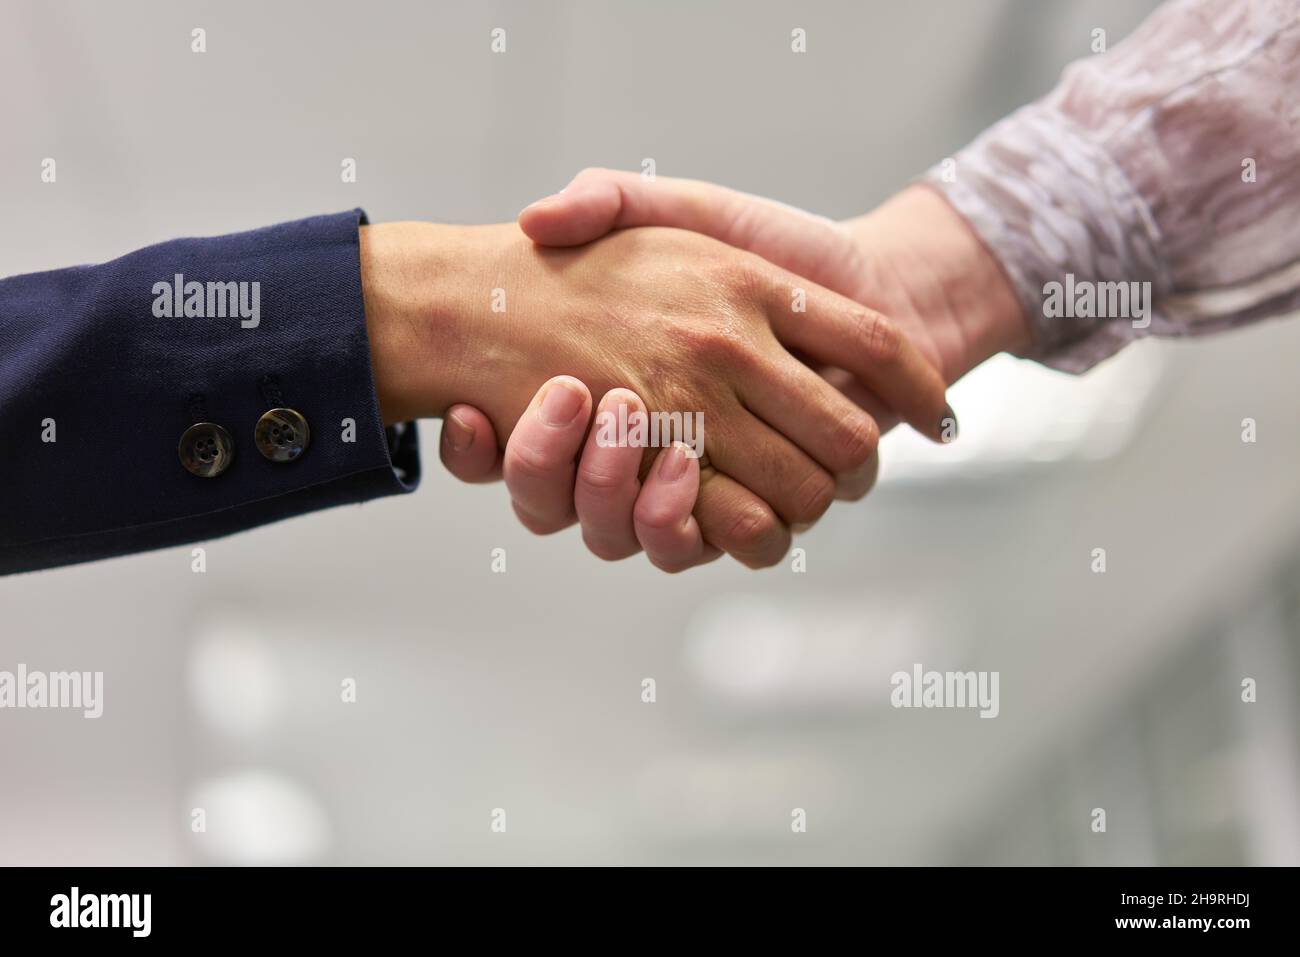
{"points": [[297, 341]]}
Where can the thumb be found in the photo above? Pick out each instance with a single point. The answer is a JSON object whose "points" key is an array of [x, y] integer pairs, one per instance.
{"points": [[584, 210], [598, 200]]}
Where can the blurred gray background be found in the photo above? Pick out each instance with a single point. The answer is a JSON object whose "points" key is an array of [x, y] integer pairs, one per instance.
{"points": [[522, 691]]}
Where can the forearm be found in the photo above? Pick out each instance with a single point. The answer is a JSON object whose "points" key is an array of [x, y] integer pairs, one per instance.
{"points": [[111, 369], [1160, 181]]}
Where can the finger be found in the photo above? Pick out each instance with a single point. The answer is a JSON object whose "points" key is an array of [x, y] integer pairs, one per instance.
{"points": [[861, 396], [834, 329], [851, 486], [855, 483], [820, 419], [767, 463], [598, 200], [539, 458], [468, 445], [608, 481], [734, 519], [664, 524]]}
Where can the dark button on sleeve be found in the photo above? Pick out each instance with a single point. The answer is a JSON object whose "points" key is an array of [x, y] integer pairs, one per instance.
{"points": [[282, 435], [206, 449]]}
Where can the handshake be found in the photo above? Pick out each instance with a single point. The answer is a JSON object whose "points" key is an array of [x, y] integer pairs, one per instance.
{"points": [[774, 347]]}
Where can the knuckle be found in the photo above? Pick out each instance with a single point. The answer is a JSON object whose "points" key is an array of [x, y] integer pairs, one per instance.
{"points": [[600, 481], [813, 497], [711, 342], [605, 549], [754, 535], [656, 515], [529, 463], [672, 566], [589, 173], [877, 337], [861, 438], [738, 273], [541, 525], [746, 279]]}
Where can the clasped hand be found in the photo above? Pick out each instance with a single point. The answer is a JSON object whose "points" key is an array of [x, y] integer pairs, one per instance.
{"points": [[509, 331]]}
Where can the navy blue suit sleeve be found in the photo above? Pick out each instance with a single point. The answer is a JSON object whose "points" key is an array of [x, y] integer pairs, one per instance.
{"points": [[97, 387]]}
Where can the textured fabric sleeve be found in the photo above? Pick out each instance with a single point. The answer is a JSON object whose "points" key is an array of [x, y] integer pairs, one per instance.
{"points": [[1173, 160], [103, 368]]}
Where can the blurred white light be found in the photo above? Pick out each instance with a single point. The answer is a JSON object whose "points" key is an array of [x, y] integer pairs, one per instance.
{"points": [[816, 652], [231, 679], [1013, 413], [259, 817]]}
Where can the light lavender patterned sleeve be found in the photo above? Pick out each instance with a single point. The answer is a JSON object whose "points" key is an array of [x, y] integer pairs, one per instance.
{"points": [[1173, 159]]}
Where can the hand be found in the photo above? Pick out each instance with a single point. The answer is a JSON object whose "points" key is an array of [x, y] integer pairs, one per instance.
{"points": [[692, 324], [914, 259], [620, 514]]}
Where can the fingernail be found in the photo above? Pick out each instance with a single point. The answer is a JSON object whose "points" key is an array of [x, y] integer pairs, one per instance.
{"points": [[561, 404], [673, 465], [614, 401], [459, 432], [947, 425]]}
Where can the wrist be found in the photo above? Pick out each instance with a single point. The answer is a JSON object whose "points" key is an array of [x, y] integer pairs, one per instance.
{"points": [[422, 284], [954, 285]]}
